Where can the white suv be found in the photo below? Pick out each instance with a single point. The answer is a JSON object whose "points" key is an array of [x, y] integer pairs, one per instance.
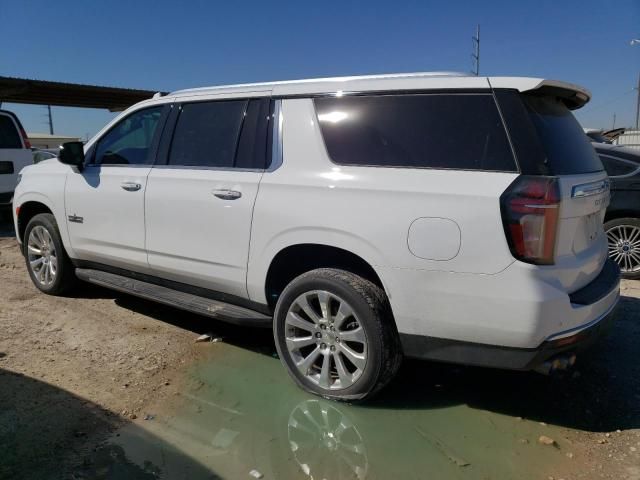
{"points": [[438, 216]]}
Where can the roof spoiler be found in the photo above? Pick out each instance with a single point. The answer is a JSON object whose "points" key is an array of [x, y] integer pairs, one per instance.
{"points": [[573, 96]]}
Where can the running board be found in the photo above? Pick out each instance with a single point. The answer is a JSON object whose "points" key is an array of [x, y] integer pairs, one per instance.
{"points": [[185, 301]]}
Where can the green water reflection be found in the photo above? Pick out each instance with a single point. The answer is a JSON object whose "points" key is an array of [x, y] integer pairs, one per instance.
{"points": [[241, 412]]}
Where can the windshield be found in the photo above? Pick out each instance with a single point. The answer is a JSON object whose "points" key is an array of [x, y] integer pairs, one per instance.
{"points": [[568, 150]]}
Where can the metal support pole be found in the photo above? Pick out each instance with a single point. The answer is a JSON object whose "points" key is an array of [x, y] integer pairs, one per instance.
{"points": [[50, 120]]}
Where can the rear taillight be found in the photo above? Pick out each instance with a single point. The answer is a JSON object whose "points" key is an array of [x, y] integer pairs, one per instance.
{"points": [[25, 139], [530, 216]]}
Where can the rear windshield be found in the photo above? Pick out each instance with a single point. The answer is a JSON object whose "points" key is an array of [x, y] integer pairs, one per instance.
{"points": [[444, 131], [9, 137], [568, 150]]}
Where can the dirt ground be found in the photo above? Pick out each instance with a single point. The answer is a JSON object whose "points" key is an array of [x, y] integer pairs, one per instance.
{"points": [[74, 370]]}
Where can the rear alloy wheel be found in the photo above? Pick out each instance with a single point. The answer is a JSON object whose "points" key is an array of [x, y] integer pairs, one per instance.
{"points": [[329, 349], [623, 237], [335, 334]]}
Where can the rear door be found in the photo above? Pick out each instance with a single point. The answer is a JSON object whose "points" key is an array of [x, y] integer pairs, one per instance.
{"points": [[200, 199], [14, 154], [105, 202]]}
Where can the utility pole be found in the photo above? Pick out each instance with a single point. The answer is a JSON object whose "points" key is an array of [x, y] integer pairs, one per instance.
{"points": [[50, 120], [613, 127], [476, 52], [638, 103], [636, 41]]}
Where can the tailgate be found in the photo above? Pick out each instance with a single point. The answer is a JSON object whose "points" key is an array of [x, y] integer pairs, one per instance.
{"points": [[581, 245], [566, 153]]}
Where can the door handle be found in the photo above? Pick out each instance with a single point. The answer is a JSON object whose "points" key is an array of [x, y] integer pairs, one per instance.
{"points": [[227, 194], [131, 186]]}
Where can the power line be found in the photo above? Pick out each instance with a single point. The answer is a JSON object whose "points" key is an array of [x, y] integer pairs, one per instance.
{"points": [[608, 102]]}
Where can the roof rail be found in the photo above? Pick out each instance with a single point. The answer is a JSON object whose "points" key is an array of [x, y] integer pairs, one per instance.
{"points": [[328, 79]]}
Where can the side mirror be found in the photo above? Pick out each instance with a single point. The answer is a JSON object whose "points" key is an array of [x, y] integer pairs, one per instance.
{"points": [[72, 153]]}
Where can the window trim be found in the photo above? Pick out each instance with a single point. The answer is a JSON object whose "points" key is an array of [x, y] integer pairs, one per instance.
{"points": [[274, 137], [153, 147], [166, 142], [484, 92]]}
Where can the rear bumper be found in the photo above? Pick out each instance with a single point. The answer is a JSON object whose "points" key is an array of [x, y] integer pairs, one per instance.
{"points": [[598, 299], [494, 356]]}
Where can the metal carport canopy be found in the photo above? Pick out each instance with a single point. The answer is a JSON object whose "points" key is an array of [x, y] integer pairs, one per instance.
{"points": [[41, 92]]}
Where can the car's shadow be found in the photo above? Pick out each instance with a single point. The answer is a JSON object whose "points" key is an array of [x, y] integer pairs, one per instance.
{"points": [[602, 393], [6, 224], [44, 434]]}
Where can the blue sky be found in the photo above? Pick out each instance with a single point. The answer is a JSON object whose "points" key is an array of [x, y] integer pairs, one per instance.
{"points": [[162, 45]]}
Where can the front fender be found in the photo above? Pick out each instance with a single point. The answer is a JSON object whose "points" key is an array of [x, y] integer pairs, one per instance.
{"points": [[48, 190]]}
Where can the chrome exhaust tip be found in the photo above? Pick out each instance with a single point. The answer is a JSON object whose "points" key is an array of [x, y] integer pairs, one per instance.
{"points": [[560, 363]]}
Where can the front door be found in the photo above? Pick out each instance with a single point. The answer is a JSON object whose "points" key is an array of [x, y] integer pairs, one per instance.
{"points": [[105, 202]]}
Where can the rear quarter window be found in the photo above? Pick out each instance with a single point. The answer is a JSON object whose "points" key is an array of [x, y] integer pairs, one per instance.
{"points": [[444, 131], [567, 149], [9, 136]]}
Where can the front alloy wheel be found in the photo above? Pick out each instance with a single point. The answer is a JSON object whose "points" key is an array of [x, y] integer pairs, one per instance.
{"points": [[42, 256], [49, 266]]}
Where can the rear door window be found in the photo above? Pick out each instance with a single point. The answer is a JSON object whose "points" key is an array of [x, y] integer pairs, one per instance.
{"points": [[567, 149], [221, 134], [9, 136], [207, 134], [445, 131]]}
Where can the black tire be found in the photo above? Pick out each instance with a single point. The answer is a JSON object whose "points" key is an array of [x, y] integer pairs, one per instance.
{"points": [[617, 227], [65, 278], [370, 305]]}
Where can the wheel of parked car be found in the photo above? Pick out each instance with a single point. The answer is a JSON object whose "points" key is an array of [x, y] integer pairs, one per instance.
{"points": [[47, 262], [335, 333], [623, 235]]}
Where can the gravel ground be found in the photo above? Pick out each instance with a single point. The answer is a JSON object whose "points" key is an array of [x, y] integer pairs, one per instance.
{"points": [[75, 369]]}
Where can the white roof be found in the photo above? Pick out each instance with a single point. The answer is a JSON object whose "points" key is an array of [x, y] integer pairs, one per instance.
{"points": [[576, 95]]}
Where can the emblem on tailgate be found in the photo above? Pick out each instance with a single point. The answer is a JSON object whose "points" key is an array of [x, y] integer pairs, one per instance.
{"points": [[589, 189]]}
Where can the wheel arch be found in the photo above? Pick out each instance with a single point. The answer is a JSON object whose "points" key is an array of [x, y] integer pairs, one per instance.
{"points": [[26, 211], [296, 259], [621, 213]]}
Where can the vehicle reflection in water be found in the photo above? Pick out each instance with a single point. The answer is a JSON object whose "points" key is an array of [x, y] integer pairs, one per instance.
{"points": [[240, 412], [319, 430]]}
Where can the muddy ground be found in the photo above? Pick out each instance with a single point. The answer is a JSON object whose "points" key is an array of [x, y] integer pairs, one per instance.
{"points": [[105, 385]]}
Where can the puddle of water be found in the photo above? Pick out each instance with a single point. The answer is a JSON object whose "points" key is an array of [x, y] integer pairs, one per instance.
{"points": [[245, 413]]}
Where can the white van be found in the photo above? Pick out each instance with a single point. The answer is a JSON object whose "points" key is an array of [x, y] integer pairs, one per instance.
{"points": [[445, 217]]}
